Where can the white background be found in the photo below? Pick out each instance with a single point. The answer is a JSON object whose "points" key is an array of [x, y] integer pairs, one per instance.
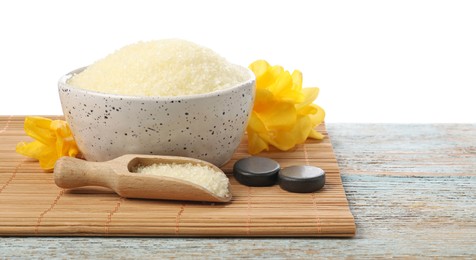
{"points": [[374, 61]]}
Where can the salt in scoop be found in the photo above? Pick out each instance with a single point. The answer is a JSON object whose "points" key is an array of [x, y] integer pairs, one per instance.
{"points": [[120, 176]]}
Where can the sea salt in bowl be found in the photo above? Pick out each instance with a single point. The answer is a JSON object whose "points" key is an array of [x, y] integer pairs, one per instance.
{"points": [[206, 126]]}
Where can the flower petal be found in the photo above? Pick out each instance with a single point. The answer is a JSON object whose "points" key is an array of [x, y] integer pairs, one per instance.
{"points": [[256, 144], [64, 139], [261, 69], [297, 80], [255, 124], [39, 129], [278, 115], [301, 129], [262, 98], [319, 116], [33, 149], [48, 159], [73, 151], [283, 140], [283, 113], [292, 96], [310, 95], [60, 128], [276, 71], [316, 135], [283, 82], [307, 110], [54, 139]]}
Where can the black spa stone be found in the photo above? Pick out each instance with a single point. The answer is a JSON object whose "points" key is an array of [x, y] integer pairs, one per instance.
{"points": [[256, 171], [302, 178]]}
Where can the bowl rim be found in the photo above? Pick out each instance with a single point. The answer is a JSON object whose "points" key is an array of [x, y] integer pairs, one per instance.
{"points": [[63, 84]]}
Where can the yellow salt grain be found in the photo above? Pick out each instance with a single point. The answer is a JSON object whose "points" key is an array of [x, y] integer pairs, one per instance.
{"points": [[204, 176], [169, 67]]}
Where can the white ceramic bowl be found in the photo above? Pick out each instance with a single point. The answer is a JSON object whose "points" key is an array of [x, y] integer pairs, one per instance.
{"points": [[205, 126]]}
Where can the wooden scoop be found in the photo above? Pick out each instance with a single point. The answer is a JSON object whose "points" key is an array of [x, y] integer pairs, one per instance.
{"points": [[118, 175]]}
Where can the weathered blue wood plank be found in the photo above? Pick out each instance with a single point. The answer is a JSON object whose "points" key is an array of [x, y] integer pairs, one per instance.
{"points": [[411, 188], [418, 150]]}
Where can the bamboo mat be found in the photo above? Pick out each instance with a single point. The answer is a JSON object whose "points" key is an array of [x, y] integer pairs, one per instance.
{"points": [[32, 205]]}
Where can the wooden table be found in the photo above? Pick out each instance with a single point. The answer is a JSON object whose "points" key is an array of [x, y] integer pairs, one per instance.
{"points": [[411, 188]]}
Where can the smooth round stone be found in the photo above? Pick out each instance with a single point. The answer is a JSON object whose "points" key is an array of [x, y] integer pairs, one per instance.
{"points": [[256, 171], [302, 178]]}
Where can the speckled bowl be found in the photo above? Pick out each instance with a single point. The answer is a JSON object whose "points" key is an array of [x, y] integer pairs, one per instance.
{"points": [[205, 126]]}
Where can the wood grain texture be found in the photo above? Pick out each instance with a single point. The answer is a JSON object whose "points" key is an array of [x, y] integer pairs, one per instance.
{"points": [[411, 188], [32, 205]]}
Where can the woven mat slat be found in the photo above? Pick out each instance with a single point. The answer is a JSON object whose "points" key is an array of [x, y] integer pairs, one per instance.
{"points": [[32, 205]]}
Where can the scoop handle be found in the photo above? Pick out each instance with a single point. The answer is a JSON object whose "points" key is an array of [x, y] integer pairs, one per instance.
{"points": [[74, 173]]}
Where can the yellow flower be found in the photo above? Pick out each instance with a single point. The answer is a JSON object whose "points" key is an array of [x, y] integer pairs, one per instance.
{"points": [[53, 139], [283, 113]]}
